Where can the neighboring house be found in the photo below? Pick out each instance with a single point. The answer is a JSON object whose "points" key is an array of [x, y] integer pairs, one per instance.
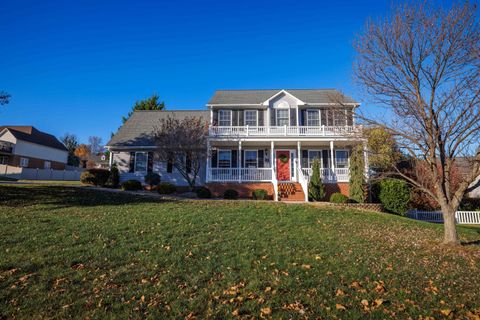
{"points": [[99, 160], [257, 139], [25, 146]]}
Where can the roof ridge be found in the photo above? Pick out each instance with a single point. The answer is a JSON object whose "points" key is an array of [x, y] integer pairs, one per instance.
{"points": [[182, 110], [275, 89]]}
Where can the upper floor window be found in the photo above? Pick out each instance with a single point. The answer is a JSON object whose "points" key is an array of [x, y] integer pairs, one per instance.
{"points": [[251, 157], [141, 159], [282, 117], [340, 117], [225, 118], [23, 162], [47, 164], [224, 158], [341, 158], [251, 118], [313, 118]]}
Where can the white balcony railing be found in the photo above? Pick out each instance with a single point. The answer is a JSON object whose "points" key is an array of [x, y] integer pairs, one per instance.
{"points": [[239, 174], [327, 174], [322, 131]]}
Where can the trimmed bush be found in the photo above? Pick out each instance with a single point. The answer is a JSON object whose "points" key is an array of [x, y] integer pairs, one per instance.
{"points": [[132, 185], [357, 175], [338, 197], [260, 194], [204, 193], [316, 189], [114, 179], [152, 179], [96, 177], [394, 195], [230, 194], [166, 188]]}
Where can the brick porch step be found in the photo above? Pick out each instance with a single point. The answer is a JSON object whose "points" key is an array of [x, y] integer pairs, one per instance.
{"points": [[290, 191]]}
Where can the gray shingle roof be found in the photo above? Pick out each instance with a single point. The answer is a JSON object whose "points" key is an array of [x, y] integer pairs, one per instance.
{"points": [[309, 96], [139, 128]]}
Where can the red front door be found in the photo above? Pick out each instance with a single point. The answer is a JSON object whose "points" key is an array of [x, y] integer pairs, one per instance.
{"points": [[283, 165]]}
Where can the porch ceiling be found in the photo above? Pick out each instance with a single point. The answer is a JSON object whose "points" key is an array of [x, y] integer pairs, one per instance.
{"points": [[285, 144]]}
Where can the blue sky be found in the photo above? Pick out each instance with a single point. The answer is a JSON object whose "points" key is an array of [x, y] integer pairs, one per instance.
{"points": [[78, 66]]}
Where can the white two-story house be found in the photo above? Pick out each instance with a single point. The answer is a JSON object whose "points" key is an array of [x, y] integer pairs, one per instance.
{"points": [[258, 139], [269, 138]]}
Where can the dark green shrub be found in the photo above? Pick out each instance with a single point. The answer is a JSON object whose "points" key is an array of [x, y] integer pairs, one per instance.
{"points": [[204, 193], [337, 197], [96, 177], [166, 188], [230, 194], [316, 190], [152, 179], [114, 179], [394, 195], [260, 194], [132, 185]]}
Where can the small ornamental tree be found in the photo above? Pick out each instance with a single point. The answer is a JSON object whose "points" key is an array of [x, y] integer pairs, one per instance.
{"points": [[357, 175], [183, 143], [316, 190]]}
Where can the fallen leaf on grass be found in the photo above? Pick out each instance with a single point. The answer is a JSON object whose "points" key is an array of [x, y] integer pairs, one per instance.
{"points": [[266, 311], [446, 312], [340, 306], [339, 293]]}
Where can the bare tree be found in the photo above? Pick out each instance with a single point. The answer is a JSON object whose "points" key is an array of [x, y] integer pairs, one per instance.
{"points": [[4, 97], [95, 144], [183, 143], [422, 65]]}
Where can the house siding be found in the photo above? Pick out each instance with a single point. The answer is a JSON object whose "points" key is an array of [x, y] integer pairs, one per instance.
{"points": [[122, 160]]}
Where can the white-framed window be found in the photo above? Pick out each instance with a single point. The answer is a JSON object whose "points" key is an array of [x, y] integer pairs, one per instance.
{"points": [[225, 118], [314, 154], [341, 158], [23, 162], [47, 165], [251, 159], [283, 117], [251, 118], [313, 118], [224, 158], [141, 161], [340, 117]]}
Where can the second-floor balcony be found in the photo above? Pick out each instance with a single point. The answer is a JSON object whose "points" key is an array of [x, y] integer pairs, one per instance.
{"points": [[281, 131]]}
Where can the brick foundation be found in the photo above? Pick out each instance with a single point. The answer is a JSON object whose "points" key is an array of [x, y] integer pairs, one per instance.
{"points": [[331, 188], [244, 189]]}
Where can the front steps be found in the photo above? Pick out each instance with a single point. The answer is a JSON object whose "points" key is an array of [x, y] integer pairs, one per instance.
{"points": [[290, 191]]}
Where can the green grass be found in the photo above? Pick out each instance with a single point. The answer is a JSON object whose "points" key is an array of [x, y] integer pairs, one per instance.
{"points": [[75, 253]]}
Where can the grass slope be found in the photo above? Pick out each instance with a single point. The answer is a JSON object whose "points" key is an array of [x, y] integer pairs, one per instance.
{"points": [[74, 253]]}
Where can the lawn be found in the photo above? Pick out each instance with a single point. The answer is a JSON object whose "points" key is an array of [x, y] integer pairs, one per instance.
{"points": [[78, 253]]}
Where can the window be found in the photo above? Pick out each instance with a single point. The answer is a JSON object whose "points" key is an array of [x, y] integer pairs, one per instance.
{"points": [[313, 118], [3, 159], [340, 117], [170, 165], [251, 157], [47, 164], [225, 118], [314, 154], [341, 158], [282, 117], [23, 162], [251, 117], [224, 158], [141, 159]]}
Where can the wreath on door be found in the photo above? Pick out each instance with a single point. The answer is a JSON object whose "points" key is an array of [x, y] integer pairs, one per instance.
{"points": [[283, 158]]}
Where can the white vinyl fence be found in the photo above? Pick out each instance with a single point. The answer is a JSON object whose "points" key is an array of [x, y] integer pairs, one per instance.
{"points": [[461, 217], [39, 174]]}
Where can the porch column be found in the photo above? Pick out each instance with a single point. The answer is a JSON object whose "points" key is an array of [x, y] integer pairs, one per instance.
{"points": [[110, 159], [267, 121], [365, 159], [332, 156], [299, 155], [272, 164], [239, 159], [208, 164]]}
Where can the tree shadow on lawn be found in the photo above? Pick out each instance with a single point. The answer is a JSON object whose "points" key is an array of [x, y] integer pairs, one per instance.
{"points": [[14, 196]]}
